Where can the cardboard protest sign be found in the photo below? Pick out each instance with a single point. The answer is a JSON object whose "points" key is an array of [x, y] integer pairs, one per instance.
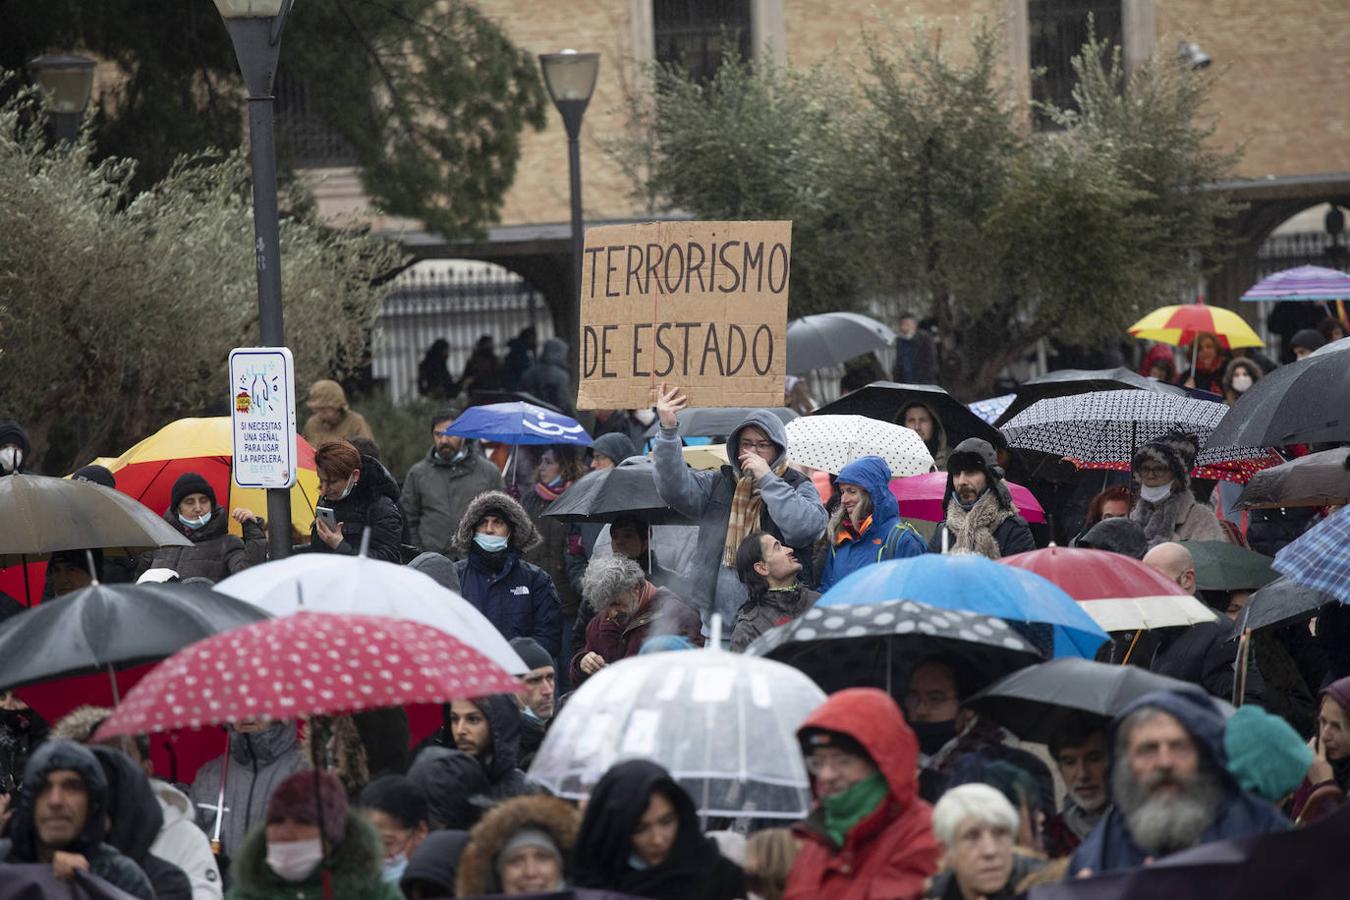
{"points": [[702, 305]]}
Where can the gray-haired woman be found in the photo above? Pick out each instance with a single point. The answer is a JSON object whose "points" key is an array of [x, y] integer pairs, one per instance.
{"points": [[629, 609]]}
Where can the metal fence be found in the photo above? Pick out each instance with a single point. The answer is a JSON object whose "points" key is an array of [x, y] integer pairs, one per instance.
{"points": [[458, 302]]}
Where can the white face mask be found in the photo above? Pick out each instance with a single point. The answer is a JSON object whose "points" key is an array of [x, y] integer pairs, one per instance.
{"points": [[1155, 494], [294, 861], [10, 459], [1241, 381]]}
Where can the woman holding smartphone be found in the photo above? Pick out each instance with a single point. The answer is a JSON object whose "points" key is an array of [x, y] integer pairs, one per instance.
{"points": [[354, 493]]}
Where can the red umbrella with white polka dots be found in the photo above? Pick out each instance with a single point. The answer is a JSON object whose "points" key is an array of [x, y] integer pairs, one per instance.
{"points": [[307, 664]]}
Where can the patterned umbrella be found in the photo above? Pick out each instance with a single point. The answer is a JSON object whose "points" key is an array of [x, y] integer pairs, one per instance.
{"points": [[875, 644], [1064, 382], [1302, 283], [828, 339], [1320, 557], [886, 400], [1103, 429], [831, 442], [993, 408], [1179, 325], [308, 664]]}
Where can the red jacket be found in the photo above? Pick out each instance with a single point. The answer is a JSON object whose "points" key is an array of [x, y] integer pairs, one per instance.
{"points": [[659, 612], [890, 853]]}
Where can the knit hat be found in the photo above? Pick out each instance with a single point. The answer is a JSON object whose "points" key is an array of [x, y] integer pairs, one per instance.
{"points": [[1118, 535], [617, 447], [528, 837], [294, 799], [531, 653], [96, 474], [191, 483], [1265, 755], [1176, 450], [815, 738], [1308, 339]]}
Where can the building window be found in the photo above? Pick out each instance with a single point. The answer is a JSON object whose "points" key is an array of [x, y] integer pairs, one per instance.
{"points": [[303, 134], [1057, 30], [694, 34]]}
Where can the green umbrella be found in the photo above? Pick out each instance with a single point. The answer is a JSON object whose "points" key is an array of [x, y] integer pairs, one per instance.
{"points": [[1221, 566]]}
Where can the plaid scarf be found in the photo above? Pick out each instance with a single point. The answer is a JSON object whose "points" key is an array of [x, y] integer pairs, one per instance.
{"points": [[746, 505]]}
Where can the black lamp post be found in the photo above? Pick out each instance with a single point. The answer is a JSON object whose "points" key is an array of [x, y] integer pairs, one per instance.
{"points": [[255, 29], [570, 79], [66, 81]]}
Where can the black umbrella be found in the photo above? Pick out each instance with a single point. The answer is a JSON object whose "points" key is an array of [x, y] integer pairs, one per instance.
{"points": [[1280, 603], [707, 421], [628, 489], [885, 400], [487, 398], [106, 627], [1034, 703], [1063, 382], [874, 644], [1301, 403], [1318, 479]]}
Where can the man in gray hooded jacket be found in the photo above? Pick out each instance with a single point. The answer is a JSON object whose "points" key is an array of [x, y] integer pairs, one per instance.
{"points": [[757, 491]]}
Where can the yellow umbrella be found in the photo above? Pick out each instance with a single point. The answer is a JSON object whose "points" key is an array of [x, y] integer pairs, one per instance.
{"points": [[148, 470], [706, 456], [1179, 325]]}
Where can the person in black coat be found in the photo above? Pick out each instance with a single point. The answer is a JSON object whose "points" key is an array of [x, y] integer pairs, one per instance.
{"points": [[354, 487], [136, 819], [641, 836]]}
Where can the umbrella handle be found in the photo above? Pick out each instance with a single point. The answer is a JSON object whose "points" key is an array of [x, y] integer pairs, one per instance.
{"points": [[1240, 682], [1137, 635]]}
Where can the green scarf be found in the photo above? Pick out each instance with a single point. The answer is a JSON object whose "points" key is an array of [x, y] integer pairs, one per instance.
{"points": [[851, 806]]}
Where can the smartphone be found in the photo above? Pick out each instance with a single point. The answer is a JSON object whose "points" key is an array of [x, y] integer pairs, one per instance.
{"points": [[329, 517]]}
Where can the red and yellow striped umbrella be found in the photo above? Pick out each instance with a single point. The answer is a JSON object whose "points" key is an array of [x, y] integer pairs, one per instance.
{"points": [[1178, 326]]}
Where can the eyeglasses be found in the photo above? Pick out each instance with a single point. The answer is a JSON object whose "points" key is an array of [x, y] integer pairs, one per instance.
{"points": [[1154, 469], [757, 446], [917, 700]]}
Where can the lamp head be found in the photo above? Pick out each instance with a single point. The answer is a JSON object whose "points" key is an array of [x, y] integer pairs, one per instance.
{"points": [[66, 81]]}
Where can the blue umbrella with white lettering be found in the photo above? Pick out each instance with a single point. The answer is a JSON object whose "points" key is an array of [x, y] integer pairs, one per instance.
{"points": [[519, 423]]}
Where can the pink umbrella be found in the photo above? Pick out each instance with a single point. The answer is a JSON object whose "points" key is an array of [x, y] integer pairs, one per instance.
{"points": [[920, 497]]}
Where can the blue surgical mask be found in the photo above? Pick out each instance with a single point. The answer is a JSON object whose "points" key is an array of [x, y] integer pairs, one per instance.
{"points": [[557, 482], [351, 483], [391, 872], [196, 523], [637, 862], [492, 543]]}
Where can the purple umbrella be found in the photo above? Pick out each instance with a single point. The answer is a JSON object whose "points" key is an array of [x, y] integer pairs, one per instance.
{"points": [[1302, 283]]}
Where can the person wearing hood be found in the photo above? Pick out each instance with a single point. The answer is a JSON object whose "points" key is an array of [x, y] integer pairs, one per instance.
{"points": [[488, 730], [520, 355], [1118, 535], [261, 755], [331, 418], [179, 840], [1167, 511], [434, 867], [439, 487], [438, 567], [454, 784], [483, 371], [1170, 786], [434, 380], [536, 701], [1328, 778], [758, 491], [518, 597], [640, 836], [215, 553], [135, 819], [869, 835], [629, 610], [62, 820], [14, 448], [521, 846], [774, 595], [866, 528], [980, 516], [549, 378], [1239, 377], [921, 419], [359, 491], [311, 845]]}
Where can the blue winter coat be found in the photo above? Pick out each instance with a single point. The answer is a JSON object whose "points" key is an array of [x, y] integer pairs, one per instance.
{"points": [[1109, 846], [520, 600], [885, 538]]}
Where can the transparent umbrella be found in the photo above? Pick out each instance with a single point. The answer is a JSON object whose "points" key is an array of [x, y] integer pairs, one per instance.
{"points": [[723, 724]]}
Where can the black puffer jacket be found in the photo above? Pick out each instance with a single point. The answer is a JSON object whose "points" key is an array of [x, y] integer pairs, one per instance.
{"points": [[215, 553], [373, 503], [455, 786], [136, 820], [104, 860]]}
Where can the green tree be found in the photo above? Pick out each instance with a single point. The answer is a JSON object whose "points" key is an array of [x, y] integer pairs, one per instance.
{"points": [[923, 180], [432, 97], [117, 312]]}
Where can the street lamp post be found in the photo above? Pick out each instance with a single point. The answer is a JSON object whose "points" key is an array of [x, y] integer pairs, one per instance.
{"points": [[255, 29], [66, 81], [570, 79]]}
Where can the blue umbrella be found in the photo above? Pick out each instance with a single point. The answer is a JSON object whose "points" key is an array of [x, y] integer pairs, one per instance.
{"points": [[974, 584], [1320, 557], [519, 423]]}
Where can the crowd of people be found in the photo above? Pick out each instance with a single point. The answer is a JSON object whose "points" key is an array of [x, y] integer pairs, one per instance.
{"points": [[916, 794]]}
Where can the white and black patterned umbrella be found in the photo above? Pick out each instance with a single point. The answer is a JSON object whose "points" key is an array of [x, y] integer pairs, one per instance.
{"points": [[1107, 427], [831, 442], [876, 644]]}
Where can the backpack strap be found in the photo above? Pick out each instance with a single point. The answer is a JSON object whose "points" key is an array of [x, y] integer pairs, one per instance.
{"points": [[898, 531]]}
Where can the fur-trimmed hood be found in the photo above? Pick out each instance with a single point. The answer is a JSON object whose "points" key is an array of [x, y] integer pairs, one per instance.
{"points": [[524, 536], [79, 724], [478, 866]]}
